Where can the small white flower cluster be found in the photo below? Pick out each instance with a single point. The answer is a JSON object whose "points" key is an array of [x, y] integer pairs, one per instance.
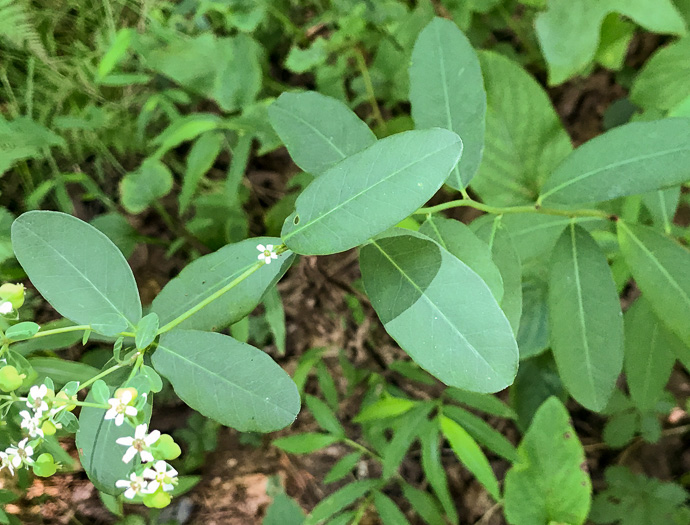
{"points": [[154, 476], [41, 409]]}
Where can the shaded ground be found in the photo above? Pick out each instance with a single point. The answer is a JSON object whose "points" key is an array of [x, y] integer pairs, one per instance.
{"points": [[235, 475]]}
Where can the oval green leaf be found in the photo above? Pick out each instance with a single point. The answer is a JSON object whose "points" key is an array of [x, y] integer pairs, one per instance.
{"points": [[649, 355], [586, 319], [447, 91], [439, 311], [141, 188], [231, 382], [371, 191], [524, 138], [627, 160], [78, 270], [550, 483], [459, 240], [661, 268], [316, 143], [208, 274]]}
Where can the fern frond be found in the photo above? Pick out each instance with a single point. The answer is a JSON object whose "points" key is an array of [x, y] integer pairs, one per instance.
{"points": [[17, 29]]}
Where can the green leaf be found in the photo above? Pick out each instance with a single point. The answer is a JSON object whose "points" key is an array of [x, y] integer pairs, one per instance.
{"points": [[482, 432], [351, 201], [627, 160], [568, 31], [302, 60], [507, 260], [424, 504], [305, 443], [439, 311], [199, 161], [22, 138], [116, 52], [324, 416], [485, 402], [459, 240], [283, 511], [21, 331], [231, 382], [184, 129], [433, 468], [550, 483], [662, 205], [343, 467], [406, 432], [388, 511], [118, 230], [447, 91], [586, 319], [78, 270], [470, 455], [146, 331], [661, 82], [384, 408], [534, 332], [340, 499], [210, 273], [99, 453], [649, 357], [141, 188], [661, 268], [275, 317], [316, 143], [524, 139], [62, 371]]}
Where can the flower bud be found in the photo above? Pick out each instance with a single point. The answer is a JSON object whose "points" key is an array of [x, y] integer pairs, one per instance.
{"points": [[131, 389], [10, 379], [14, 293], [166, 448], [157, 500]]}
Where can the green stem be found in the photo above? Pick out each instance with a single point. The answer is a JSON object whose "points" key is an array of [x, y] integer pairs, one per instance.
{"points": [[362, 65], [76, 328], [497, 210], [186, 315], [362, 509], [98, 376]]}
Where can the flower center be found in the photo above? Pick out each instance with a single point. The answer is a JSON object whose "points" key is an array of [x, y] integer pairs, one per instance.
{"points": [[138, 444], [267, 253]]}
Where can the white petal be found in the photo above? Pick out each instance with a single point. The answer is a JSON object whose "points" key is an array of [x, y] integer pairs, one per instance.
{"points": [[131, 411], [269, 247], [130, 493], [119, 419], [146, 456], [126, 441], [110, 414], [261, 247], [122, 483], [160, 466], [140, 431], [172, 472], [16, 461], [131, 452], [6, 307], [267, 260], [152, 438], [149, 473], [262, 256], [274, 255], [126, 397], [153, 487]]}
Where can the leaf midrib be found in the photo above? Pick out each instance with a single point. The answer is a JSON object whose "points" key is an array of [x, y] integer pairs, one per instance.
{"points": [[365, 190], [426, 297], [614, 165]]}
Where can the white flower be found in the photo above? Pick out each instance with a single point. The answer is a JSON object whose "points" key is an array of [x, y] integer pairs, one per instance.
{"points": [[20, 454], [120, 407], [31, 423], [5, 461], [139, 443], [6, 308], [135, 484], [161, 474], [36, 399], [267, 253]]}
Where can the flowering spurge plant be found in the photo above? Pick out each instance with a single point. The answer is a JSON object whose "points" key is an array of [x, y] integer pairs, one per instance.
{"points": [[85, 277]]}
